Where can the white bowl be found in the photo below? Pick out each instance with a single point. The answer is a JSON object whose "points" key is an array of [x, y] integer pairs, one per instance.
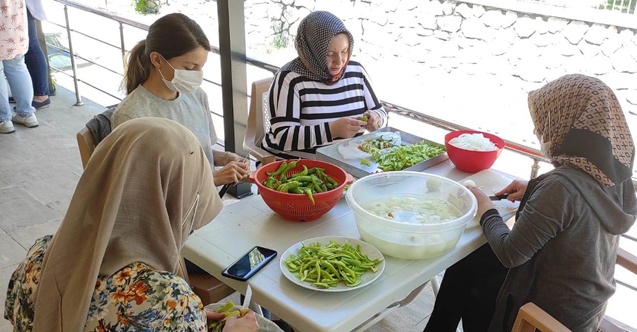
{"points": [[409, 238]]}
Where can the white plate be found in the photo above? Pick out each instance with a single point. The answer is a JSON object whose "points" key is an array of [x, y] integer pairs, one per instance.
{"points": [[366, 249], [491, 181]]}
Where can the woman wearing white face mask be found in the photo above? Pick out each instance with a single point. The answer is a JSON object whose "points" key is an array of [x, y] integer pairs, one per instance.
{"points": [[163, 76]]}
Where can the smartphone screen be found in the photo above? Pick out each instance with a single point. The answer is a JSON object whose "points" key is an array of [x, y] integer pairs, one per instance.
{"points": [[249, 264]]}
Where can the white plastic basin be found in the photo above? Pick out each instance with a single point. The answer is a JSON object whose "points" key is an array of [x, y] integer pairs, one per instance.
{"points": [[409, 239]]}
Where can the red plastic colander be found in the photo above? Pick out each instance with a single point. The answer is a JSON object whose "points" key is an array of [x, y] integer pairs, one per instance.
{"points": [[298, 207]]}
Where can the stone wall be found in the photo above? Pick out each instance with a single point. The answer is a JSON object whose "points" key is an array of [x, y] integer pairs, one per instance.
{"points": [[445, 57]]}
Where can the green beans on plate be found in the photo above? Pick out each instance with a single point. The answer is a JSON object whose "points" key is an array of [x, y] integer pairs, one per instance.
{"points": [[325, 266]]}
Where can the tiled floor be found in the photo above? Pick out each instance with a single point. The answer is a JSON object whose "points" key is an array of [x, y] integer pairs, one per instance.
{"points": [[41, 167]]}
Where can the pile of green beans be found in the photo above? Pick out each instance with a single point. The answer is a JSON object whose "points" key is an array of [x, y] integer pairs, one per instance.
{"points": [[308, 182], [326, 266]]}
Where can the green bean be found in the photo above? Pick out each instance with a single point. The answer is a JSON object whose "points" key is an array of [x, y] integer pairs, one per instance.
{"points": [[308, 192], [302, 178], [291, 165], [286, 187], [327, 266], [281, 168], [301, 173]]}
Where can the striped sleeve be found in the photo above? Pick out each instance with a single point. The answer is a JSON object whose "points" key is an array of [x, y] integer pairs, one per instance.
{"points": [[372, 102], [287, 133]]}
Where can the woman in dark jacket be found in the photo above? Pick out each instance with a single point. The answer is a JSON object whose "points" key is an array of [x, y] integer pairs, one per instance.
{"points": [[562, 249]]}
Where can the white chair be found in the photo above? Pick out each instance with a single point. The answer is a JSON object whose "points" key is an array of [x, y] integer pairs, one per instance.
{"points": [[258, 122]]}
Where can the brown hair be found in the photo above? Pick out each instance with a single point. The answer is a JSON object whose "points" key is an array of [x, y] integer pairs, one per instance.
{"points": [[171, 36]]}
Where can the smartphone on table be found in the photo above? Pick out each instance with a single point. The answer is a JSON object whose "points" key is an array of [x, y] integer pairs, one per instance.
{"points": [[246, 266]]}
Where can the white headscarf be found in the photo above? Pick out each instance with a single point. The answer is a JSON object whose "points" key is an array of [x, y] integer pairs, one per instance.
{"points": [[145, 188]]}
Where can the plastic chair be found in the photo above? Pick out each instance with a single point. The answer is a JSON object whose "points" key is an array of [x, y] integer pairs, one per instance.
{"points": [[531, 317], [258, 122], [86, 144]]}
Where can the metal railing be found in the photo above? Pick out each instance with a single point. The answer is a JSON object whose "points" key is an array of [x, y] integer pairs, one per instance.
{"points": [[122, 22], [624, 6], [534, 154]]}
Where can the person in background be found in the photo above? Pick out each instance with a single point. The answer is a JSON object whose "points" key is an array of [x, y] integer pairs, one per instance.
{"points": [[562, 250], [14, 42], [113, 264], [34, 58], [321, 97], [163, 79]]}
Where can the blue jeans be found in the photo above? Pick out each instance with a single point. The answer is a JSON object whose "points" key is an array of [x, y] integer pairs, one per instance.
{"points": [[21, 88], [36, 62]]}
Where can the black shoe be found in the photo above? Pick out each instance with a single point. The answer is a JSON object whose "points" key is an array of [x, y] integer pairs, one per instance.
{"points": [[11, 100], [41, 104]]}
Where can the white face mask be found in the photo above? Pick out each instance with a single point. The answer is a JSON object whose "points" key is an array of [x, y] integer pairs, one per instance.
{"points": [[184, 81]]}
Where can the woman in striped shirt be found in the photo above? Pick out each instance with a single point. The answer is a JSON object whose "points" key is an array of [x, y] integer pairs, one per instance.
{"points": [[321, 97]]}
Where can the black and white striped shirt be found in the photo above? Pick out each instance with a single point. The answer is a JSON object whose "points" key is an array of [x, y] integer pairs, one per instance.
{"points": [[301, 109]]}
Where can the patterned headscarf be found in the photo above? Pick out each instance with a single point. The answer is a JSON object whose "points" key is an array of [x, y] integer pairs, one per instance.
{"points": [[582, 122], [145, 188], [312, 41]]}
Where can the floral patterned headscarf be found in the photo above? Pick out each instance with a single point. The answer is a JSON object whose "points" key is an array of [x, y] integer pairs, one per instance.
{"points": [[312, 41], [582, 122]]}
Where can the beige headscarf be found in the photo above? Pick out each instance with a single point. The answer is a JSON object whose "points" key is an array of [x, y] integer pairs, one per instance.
{"points": [[584, 124], [145, 188]]}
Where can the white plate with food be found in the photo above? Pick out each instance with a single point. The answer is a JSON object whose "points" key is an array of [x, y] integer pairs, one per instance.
{"points": [[294, 255], [362, 147]]}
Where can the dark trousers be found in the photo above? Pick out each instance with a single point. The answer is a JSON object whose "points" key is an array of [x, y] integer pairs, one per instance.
{"points": [[36, 62], [468, 291]]}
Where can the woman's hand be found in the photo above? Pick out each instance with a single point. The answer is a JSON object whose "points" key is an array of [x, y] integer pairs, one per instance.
{"points": [[373, 121], [230, 157], [515, 190], [346, 127], [484, 202], [247, 323], [231, 173], [213, 316]]}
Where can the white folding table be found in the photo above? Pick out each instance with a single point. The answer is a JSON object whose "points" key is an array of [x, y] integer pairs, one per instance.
{"points": [[250, 222]]}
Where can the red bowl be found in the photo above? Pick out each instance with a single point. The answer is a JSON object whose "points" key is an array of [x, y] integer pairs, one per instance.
{"points": [[297, 207], [470, 161]]}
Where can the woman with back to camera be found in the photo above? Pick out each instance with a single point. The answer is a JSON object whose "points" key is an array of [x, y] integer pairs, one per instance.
{"points": [[163, 79], [321, 97], [562, 250], [114, 263]]}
